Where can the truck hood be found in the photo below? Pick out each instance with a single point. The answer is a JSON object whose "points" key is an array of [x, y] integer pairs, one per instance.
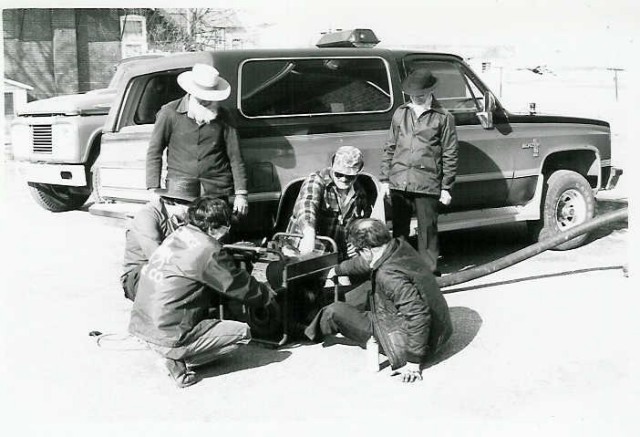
{"points": [[95, 102]]}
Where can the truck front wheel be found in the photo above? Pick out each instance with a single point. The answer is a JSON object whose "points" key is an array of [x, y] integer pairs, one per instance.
{"points": [[568, 202], [58, 198]]}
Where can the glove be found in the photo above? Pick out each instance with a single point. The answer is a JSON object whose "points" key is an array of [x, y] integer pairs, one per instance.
{"points": [[445, 197], [241, 204], [410, 372], [308, 242]]}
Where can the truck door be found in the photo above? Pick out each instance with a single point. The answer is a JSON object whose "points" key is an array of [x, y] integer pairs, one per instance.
{"points": [[485, 156], [122, 162]]}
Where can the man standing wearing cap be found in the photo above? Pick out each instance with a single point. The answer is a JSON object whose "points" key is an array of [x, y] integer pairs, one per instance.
{"points": [[329, 200], [200, 142], [151, 225], [419, 162]]}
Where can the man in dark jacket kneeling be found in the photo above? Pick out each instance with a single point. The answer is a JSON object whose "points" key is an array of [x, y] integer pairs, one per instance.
{"points": [[171, 309], [407, 314]]}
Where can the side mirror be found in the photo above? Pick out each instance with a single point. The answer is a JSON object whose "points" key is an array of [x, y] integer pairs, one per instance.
{"points": [[486, 116]]}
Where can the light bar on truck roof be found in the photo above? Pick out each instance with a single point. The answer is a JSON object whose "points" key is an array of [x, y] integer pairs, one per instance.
{"points": [[349, 38]]}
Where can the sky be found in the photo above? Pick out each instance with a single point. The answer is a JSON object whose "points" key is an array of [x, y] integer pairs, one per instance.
{"points": [[577, 32]]}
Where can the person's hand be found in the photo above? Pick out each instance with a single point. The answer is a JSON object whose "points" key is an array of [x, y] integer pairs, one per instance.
{"points": [[384, 189], [351, 250], [241, 204], [308, 242], [445, 197], [332, 274], [410, 372]]}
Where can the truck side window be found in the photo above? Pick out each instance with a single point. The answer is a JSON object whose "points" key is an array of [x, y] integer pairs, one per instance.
{"points": [[455, 90], [290, 87], [158, 91]]}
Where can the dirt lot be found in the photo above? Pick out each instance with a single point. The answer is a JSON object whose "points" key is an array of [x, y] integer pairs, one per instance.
{"points": [[546, 346]]}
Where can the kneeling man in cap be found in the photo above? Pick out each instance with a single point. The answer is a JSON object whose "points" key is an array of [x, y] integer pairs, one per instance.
{"points": [[329, 200], [151, 225]]}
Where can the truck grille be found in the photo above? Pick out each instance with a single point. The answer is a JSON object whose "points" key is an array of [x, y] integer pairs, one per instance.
{"points": [[42, 138]]}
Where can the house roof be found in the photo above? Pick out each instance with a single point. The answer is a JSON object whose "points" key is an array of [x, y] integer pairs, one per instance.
{"points": [[8, 84]]}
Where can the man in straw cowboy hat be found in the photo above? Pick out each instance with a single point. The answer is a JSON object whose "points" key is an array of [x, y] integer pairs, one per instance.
{"points": [[200, 142], [151, 225], [419, 162]]}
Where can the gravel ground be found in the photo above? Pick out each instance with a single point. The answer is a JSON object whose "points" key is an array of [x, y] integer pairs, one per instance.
{"points": [[537, 348]]}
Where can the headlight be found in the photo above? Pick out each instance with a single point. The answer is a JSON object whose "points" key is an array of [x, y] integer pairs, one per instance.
{"points": [[64, 137], [21, 141]]}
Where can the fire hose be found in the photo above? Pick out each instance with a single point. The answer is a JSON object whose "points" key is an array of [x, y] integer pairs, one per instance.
{"points": [[534, 249]]}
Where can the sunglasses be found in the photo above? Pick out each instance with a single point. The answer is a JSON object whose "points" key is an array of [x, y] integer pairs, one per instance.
{"points": [[349, 177]]}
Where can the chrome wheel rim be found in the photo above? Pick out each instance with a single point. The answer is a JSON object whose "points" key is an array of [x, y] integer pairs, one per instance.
{"points": [[571, 209]]}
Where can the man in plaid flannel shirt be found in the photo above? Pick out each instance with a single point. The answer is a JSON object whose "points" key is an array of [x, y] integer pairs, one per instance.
{"points": [[329, 200]]}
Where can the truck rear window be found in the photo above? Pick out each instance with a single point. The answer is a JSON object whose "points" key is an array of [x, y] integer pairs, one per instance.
{"points": [[290, 87]]}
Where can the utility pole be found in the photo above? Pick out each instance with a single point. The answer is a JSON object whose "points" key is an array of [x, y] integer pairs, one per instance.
{"points": [[615, 78]]}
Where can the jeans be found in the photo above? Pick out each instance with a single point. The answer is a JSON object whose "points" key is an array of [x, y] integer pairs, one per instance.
{"points": [[340, 317], [426, 209], [130, 280], [221, 339]]}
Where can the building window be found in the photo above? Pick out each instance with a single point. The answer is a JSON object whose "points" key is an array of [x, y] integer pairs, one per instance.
{"points": [[8, 104], [134, 35]]}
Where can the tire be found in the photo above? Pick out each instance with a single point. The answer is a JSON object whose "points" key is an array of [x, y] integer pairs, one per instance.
{"points": [[57, 198], [567, 202]]}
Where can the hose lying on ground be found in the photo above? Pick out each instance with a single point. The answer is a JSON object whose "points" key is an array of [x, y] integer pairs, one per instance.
{"points": [[534, 249]]}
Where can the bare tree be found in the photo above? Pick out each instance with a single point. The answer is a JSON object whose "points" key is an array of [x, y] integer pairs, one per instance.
{"points": [[189, 29]]}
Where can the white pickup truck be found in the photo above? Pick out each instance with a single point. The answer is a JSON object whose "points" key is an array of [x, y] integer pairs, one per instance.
{"points": [[58, 141]]}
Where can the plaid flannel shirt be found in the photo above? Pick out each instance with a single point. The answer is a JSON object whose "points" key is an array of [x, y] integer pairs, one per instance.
{"points": [[318, 206]]}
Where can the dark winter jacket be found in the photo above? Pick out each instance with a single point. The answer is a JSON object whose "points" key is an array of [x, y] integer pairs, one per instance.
{"points": [[171, 305], [410, 315], [421, 153], [209, 152]]}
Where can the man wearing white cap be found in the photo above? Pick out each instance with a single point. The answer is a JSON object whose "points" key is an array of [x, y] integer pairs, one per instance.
{"points": [[200, 142]]}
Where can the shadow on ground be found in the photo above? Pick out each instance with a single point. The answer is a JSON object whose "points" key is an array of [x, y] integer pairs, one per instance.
{"points": [[466, 325], [605, 207], [622, 268], [470, 248], [248, 357]]}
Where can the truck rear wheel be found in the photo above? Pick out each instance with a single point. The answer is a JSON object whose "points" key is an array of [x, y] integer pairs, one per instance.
{"points": [[57, 198], [568, 202]]}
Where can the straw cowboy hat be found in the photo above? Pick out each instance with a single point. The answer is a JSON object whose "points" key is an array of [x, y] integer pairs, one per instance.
{"points": [[204, 82], [419, 82]]}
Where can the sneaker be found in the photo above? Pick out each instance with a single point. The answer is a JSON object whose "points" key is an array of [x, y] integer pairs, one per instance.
{"points": [[182, 376]]}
